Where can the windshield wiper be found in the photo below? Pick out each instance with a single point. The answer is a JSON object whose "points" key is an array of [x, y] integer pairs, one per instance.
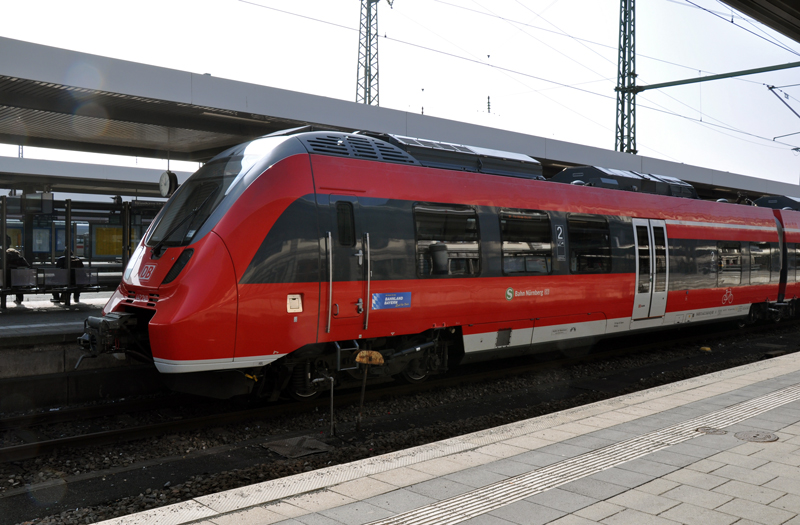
{"points": [[156, 253]]}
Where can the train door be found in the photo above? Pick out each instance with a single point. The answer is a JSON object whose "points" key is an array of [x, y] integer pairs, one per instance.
{"points": [[347, 272], [652, 268]]}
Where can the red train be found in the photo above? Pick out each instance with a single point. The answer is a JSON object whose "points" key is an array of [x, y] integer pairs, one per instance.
{"points": [[282, 258]]}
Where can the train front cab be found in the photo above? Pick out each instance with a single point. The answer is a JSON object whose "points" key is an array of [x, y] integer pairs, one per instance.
{"points": [[179, 301]]}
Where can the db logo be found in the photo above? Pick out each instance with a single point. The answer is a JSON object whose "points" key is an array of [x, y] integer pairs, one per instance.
{"points": [[147, 272]]}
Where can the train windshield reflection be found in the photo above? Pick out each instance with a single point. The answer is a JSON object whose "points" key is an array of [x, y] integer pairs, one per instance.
{"points": [[199, 196]]}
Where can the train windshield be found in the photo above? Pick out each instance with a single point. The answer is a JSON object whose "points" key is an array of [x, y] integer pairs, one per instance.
{"points": [[199, 196]]}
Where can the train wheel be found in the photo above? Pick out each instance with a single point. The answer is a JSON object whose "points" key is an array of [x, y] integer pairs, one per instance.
{"points": [[300, 387], [416, 372], [299, 395]]}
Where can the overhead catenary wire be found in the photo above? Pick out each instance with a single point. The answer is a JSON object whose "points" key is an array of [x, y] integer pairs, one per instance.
{"points": [[530, 89], [561, 32], [749, 21], [580, 41], [520, 73], [722, 125], [516, 26], [780, 45], [426, 48]]}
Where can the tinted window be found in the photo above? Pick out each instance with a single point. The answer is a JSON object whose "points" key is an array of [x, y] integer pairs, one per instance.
{"points": [[760, 262], [693, 264], [198, 197], [643, 241], [526, 242], [447, 240], [730, 263], [589, 244], [660, 251], [345, 222]]}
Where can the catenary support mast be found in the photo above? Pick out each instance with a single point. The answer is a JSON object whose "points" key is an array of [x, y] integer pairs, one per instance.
{"points": [[367, 78], [626, 79]]}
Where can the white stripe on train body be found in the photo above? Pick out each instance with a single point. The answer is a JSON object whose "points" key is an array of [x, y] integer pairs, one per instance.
{"points": [[492, 340]]}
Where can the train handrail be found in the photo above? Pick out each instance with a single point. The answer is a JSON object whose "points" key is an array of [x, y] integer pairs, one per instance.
{"points": [[369, 271], [329, 249]]}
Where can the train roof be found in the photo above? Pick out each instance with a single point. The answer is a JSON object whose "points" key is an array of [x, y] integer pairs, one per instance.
{"points": [[398, 149], [626, 180]]}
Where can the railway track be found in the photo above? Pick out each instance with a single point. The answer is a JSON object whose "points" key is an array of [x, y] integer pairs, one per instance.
{"points": [[37, 444]]}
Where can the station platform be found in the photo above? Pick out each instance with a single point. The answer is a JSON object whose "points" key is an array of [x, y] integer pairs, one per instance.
{"points": [[30, 331], [39, 356], [38, 320], [718, 449]]}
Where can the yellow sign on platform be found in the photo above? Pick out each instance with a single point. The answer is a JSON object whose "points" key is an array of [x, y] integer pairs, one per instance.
{"points": [[107, 241], [16, 237]]}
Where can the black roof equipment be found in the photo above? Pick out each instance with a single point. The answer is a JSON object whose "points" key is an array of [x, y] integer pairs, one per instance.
{"points": [[626, 180], [778, 202]]}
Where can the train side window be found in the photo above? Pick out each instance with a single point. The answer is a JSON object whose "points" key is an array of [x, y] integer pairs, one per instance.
{"points": [[760, 262], [589, 244], [345, 221], [660, 252], [730, 263], [448, 242], [526, 242], [791, 274], [643, 240]]}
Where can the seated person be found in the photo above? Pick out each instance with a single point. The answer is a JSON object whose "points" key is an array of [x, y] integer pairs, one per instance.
{"points": [[15, 260], [61, 262]]}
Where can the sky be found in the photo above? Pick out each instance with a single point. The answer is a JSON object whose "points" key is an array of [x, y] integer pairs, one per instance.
{"points": [[540, 67]]}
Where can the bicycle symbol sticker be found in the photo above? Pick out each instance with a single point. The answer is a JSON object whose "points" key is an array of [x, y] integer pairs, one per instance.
{"points": [[728, 297]]}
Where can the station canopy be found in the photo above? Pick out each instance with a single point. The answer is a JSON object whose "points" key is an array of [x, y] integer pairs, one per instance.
{"points": [[781, 15], [54, 115]]}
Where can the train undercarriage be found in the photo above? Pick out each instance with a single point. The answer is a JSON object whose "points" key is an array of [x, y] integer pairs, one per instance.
{"points": [[300, 375], [314, 368], [311, 370]]}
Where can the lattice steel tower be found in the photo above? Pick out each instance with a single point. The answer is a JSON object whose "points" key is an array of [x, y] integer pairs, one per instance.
{"points": [[367, 85], [626, 79]]}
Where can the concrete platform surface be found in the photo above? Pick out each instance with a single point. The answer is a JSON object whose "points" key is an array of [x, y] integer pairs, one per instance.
{"points": [[37, 314], [28, 331], [717, 449]]}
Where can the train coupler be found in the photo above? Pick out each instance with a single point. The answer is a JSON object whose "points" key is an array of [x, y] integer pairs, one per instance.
{"points": [[107, 334]]}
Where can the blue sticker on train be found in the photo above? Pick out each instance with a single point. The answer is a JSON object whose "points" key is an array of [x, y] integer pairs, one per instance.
{"points": [[382, 301]]}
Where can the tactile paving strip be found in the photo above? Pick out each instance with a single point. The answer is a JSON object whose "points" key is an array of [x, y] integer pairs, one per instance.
{"points": [[486, 499]]}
